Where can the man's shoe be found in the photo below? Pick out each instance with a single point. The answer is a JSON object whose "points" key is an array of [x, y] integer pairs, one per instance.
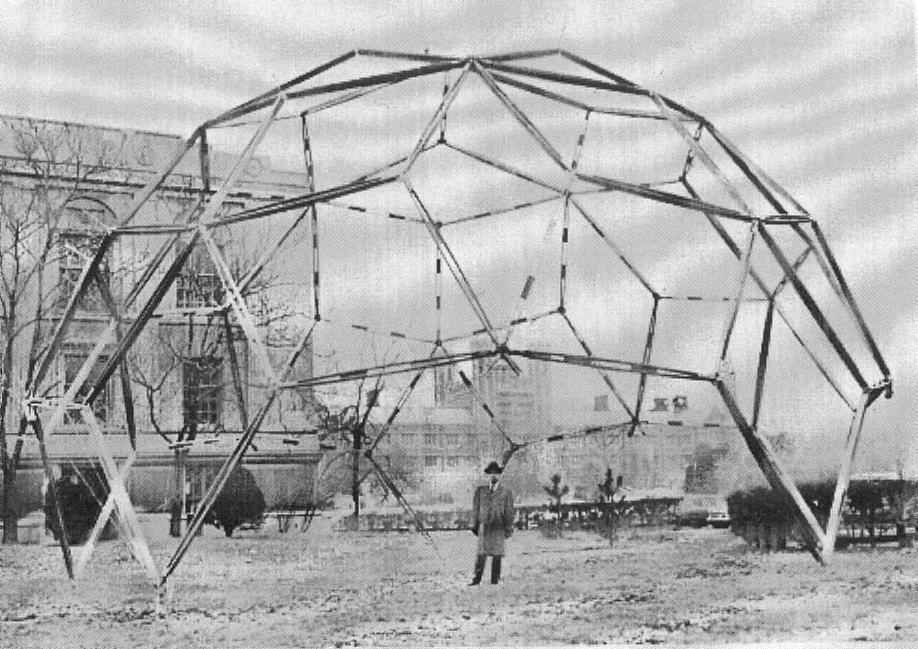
{"points": [[474, 583]]}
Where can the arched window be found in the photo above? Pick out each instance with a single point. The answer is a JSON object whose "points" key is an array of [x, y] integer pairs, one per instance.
{"points": [[82, 227]]}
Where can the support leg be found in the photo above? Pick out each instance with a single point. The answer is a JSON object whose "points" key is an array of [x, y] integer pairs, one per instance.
{"points": [[52, 490], [844, 475], [107, 510], [777, 477]]}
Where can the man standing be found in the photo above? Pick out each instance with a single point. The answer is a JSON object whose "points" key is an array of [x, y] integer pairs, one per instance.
{"points": [[492, 522]]}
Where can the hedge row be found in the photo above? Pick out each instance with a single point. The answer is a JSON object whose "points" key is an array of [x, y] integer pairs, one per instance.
{"points": [[764, 506]]}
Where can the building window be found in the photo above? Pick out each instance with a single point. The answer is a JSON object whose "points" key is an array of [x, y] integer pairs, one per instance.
{"points": [[431, 461], [74, 357], [198, 284], [202, 390], [452, 439], [430, 439], [75, 249], [452, 462]]}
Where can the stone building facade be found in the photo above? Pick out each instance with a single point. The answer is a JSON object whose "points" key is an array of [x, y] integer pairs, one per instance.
{"points": [[67, 183]]}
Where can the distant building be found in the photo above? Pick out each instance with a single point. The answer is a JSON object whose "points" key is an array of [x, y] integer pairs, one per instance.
{"points": [[520, 404], [675, 450], [441, 448]]}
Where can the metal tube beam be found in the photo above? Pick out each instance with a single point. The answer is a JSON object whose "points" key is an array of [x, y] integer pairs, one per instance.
{"points": [[130, 335], [777, 477], [125, 510], [562, 274], [844, 473], [763, 365], [313, 216], [269, 254], [520, 116], [438, 293], [849, 299], [700, 153], [434, 123], [569, 79], [386, 54], [487, 409], [561, 99], [102, 520], [605, 377], [144, 195], [735, 249], [298, 202], [124, 376], [589, 65], [234, 370], [390, 484], [378, 332], [615, 248], [645, 359], [376, 79], [388, 369], [502, 166], [798, 262], [237, 302], [523, 54], [360, 209], [226, 469], [35, 423], [611, 364], [454, 267], [516, 321], [541, 92], [664, 197], [87, 275], [761, 179], [734, 312], [266, 98], [204, 162], [342, 99], [402, 400], [812, 307]]}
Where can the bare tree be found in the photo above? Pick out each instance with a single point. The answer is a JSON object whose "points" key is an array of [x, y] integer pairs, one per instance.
{"points": [[556, 491], [610, 509], [50, 219], [349, 425], [201, 347]]}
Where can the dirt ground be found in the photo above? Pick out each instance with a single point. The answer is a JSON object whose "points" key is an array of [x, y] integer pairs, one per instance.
{"points": [[327, 588]]}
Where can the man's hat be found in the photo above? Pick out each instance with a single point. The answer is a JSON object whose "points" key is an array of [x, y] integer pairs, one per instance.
{"points": [[493, 467]]}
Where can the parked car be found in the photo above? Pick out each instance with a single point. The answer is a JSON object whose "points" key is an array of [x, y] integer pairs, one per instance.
{"points": [[692, 518], [718, 519]]}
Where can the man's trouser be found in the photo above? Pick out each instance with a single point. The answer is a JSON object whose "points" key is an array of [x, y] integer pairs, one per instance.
{"points": [[480, 564]]}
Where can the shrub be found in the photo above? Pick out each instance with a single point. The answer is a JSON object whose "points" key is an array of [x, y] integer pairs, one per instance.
{"points": [[240, 502], [764, 506], [81, 500]]}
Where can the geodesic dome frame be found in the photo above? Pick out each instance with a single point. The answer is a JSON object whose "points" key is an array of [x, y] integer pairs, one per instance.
{"points": [[769, 237]]}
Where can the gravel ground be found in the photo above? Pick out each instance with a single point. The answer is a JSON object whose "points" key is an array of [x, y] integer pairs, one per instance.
{"points": [[327, 588]]}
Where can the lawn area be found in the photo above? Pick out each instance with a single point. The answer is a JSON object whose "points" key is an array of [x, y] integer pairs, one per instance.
{"points": [[328, 588]]}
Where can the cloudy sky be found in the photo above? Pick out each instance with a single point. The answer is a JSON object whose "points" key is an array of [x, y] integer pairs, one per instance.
{"points": [[821, 94]]}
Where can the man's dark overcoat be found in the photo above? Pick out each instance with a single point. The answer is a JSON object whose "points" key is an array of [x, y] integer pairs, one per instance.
{"points": [[493, 518]]}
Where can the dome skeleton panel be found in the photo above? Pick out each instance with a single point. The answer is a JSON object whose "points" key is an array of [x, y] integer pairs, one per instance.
{"points": [[506, 77]]}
